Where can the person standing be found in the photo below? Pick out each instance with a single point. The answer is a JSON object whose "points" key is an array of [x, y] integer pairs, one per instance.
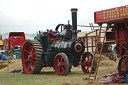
{"points": [[3, 56]]}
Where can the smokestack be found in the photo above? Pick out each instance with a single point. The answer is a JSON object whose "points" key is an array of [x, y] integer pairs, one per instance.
{"points": [[74, 23]]}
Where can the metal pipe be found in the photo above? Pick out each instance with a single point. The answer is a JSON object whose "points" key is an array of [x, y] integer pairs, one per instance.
{"points": [[74, 23], [91, 26]]}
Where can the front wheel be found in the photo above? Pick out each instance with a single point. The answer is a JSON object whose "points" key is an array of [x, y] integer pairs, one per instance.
{"points": [[86, 63], [61, 64]]}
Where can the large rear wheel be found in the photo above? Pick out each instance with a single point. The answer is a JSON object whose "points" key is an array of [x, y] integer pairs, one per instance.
{"points": [[123, 65], [61, 64], [86, 63], [31, 56]]}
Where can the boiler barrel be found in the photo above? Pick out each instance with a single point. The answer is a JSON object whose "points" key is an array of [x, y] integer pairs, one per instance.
{"points": [[75, 47]]}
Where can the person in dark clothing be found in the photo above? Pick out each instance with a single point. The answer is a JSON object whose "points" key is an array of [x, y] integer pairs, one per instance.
{"points": [[3, 56]]}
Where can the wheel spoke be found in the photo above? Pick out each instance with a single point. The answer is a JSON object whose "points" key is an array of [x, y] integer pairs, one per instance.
{"points": [[27, 60], [34, 57], [58, 60], [87, 69], [27, 51], [33, 62], [32, 49], [29, 67], [29, 45], [59, 71], [33, 53], [90, 63], [62, 71], [62, 62]]}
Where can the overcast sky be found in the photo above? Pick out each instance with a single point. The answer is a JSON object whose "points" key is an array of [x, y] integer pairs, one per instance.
{"points": [[31, 16]]}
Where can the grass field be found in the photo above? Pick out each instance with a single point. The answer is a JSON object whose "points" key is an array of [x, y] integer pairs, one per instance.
{"points": [[48, 76]]}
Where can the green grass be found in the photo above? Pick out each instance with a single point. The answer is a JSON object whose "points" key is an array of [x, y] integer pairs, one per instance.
{"points": [[44, 78], [48, 77]]}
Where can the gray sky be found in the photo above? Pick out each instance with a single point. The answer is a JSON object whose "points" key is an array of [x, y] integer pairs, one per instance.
{"points": [[31, 16]]}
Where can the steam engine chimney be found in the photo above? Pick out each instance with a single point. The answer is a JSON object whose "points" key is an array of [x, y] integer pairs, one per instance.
{"points": [[74, 23]]}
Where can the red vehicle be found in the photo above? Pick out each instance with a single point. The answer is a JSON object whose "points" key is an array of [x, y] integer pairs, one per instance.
{"points": [[14, 41], [117, 19]]}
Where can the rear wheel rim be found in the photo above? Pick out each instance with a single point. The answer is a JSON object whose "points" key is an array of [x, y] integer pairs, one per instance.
{"points": [[61, 64], [28, 57], [86, 62]]}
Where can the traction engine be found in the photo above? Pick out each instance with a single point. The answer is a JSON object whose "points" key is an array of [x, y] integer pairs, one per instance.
{"points": [[60, 49]]}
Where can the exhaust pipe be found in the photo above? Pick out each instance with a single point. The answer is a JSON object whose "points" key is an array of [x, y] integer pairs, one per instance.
{"points": [[74, 23]]}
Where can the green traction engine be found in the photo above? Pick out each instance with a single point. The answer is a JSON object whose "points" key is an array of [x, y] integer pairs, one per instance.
{"points": [[59, 48]]}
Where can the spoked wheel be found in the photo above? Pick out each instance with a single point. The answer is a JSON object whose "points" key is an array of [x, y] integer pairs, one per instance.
{"points": [[61, 64], [123, 66], [31, 56], [87, 61]]}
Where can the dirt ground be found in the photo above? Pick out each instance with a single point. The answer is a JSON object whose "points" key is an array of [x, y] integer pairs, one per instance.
{"points": [[17, 64], [13, 65]]}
